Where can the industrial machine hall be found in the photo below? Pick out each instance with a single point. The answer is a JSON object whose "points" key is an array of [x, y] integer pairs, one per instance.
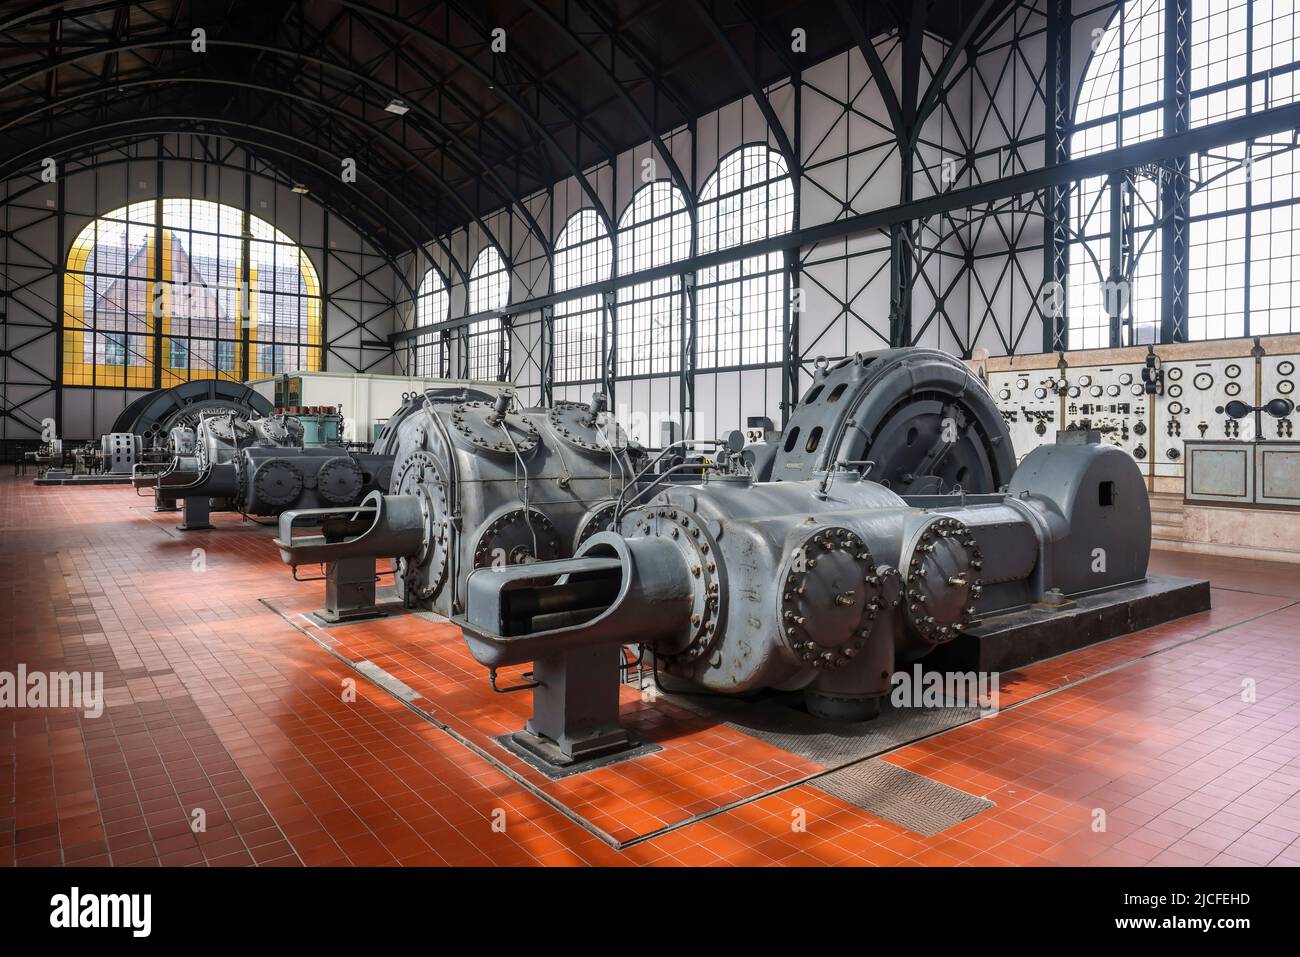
{"points": [[704, 434]]}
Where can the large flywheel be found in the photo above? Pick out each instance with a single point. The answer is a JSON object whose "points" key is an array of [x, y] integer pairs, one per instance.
{"points": [[916, 420]]}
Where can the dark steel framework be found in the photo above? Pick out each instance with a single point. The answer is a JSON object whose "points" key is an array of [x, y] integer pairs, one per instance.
{"points": [[351, 288], [976, 204]]}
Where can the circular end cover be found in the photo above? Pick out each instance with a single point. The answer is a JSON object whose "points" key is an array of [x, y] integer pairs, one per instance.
{"points": [[598, 519], [277, 483], [423, 574], [942, 580], [479, 425], [514, 537], [829, 597], [340, 480], [578, 426]]}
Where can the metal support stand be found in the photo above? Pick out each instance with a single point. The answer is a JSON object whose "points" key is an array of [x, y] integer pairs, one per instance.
{"points": [[349, 592], [196, 513], [575, 709], [161, 504]]}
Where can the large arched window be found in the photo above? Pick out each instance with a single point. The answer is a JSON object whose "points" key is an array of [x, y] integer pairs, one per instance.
{"points": [[486, 342], [1243, 262], [1120, 102], [153, 293], [654, 230], [584, 254], [741, 305], [432, 304]]}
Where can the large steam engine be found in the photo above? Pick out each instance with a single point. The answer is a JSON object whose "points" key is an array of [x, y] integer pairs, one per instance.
{"points": [[886, 521], [141, 441], [476, 483], [871, 534], [259, 467]]}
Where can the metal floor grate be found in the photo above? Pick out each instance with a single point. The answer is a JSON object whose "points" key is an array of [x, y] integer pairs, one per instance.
{"points": [[910, 800]]}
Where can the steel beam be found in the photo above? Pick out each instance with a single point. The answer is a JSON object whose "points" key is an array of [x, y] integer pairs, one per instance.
{"points": [[1213, 136]]}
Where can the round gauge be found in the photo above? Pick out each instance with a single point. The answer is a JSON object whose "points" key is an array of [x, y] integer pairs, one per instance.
{"points": [[1004, 394], [1085, 380], [1233, 388], [1095, 392], [1203, 381], [1286, 387], [1022, 383], [1049, 382], [1232, 371], [1125, 378], [1075, 392], [1175, 391], [1112, 390], [1174, 374], [1138, 390], [1040, 393], [1175, 408], [1285, 367]]}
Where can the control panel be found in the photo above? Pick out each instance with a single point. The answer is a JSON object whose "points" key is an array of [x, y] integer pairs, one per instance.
{"points": [[1278, 378], [1152, 405], [1195, 392], [1113, 400], [1030, 403]]}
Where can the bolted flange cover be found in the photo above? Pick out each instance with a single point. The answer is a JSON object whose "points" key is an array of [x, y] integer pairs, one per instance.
{"points": [[477, 424], [340, 480], [514, 537], [277, 482], [829, 597], [942, 579]]}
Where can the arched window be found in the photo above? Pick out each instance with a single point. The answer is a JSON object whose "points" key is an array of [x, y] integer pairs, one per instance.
{"points": [[741, 306], [1120, 102], [153, 293], [1243, 259], [654, 230], [432, 304], [486, 342], [583, 254]]}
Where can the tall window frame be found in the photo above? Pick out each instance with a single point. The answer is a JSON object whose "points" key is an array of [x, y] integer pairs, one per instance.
{"points": [[654, 230], [428, 353], [584, 254], [740, 306], [487, 342], [1239, 213]]}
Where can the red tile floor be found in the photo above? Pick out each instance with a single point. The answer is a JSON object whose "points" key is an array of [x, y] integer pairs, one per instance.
{"points": [[221, 700]]}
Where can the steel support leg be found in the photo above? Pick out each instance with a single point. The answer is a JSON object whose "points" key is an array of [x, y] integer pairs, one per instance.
{"points": [[575, 707], [349, 591], [195, 515]]}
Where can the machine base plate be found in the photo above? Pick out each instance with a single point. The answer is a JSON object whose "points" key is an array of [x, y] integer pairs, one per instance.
{"points": [[547, 758]]}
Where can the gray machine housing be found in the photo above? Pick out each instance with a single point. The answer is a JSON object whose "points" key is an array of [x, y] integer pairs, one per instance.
{"points": [[825, 585], [476, 483], [888, 520]]}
